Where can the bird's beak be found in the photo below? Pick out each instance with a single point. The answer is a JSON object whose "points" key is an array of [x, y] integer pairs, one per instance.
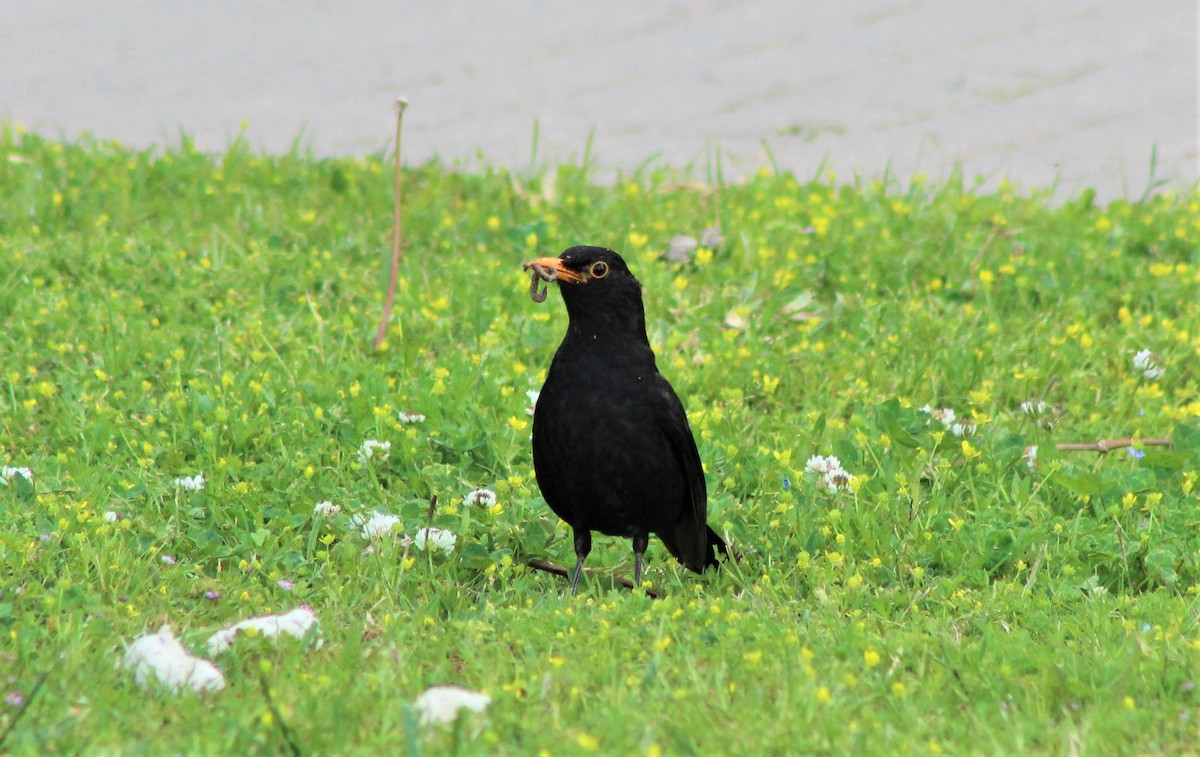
{"points": [[552, 269]]}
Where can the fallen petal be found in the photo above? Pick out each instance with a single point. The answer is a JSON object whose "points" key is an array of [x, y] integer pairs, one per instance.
{"points": [[441, 704], [295, 623], [160, 657], [681, 247]]}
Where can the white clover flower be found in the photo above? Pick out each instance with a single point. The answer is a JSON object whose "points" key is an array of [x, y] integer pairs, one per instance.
{"points": [[191, 483], [407, 418], [7, 474], [111, 516], [441, 704], [834, 477], [374, 450], [296, 623], [945, 415], [435, 538], [326, 509], [822, 464], [376, 526], [160, 657], [1149, 364], [1030, 457], [836, 480], [962, 429], [484, 498], [1032, 407]]}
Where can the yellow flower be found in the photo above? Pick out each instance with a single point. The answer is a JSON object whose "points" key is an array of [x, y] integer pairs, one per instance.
{"points": [[587, 742], [871, 657], [823, 695]]}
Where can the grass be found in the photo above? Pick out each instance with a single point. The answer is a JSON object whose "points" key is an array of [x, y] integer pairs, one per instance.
{"points": [[169, 313]]}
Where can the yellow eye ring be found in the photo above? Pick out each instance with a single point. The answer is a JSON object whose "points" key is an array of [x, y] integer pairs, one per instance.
{"points": [[598, 270]]}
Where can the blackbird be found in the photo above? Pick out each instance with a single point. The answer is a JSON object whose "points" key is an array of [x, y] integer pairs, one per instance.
{"points": [[612, 449]]}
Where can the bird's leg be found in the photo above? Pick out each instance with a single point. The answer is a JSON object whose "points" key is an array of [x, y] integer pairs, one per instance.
{"points": [[583, 545], [640, 542]]}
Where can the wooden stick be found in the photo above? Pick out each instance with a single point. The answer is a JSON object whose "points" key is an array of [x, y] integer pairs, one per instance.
{"points": [[1107, 445], [401, 104]]}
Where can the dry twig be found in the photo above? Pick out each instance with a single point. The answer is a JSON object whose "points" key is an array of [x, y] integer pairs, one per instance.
{"points": [[1108, 445], [401, 104]]}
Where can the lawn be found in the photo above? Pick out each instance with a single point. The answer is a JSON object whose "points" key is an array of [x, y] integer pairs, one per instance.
{"points": [[967, 588]]}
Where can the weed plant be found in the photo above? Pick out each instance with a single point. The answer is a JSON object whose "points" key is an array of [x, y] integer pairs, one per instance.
{"points": [[964, 588]]}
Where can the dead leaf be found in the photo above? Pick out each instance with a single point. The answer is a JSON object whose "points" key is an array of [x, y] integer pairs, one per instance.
{"points": [[681, 248], [711, 237]]}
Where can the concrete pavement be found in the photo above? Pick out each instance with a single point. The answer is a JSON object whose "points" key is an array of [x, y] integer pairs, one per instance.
{"points": [[1069, 91]]}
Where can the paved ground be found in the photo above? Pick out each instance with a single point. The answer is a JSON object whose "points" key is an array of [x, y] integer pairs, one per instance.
{"points": [[1070, 90]]}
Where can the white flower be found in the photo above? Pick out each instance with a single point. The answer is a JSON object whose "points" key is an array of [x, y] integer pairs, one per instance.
{"points": [[441, 704], [296, 623], [836, 480], [411, 417], [326, 509], [833, 476], [533, 395], [962, 429], [1030, 457], [821, 464], [435, 538], [945, 414], [376, 526], [1149, 364], [160, 657], [7, 474], [1032, 407], [482, 497], [374, 450], [111, 516], [191, 483]]}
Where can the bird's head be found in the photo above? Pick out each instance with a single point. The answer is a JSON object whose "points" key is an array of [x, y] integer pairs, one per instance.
{"points": [[595, 284]]}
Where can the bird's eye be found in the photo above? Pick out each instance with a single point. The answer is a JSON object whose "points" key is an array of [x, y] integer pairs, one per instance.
{"points": [[599, 269]]}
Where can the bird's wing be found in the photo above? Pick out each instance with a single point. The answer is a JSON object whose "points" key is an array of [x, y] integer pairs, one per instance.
{"points": [[691, 531]]}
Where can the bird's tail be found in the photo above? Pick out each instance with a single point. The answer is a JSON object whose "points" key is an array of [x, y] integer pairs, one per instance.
{"points": [[715, 546]]}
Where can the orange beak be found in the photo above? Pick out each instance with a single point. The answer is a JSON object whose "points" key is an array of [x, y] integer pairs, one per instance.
{"points": [[552, 269]]}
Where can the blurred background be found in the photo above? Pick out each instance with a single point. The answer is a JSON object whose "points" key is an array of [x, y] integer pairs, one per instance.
{"points": [[1067, 93]]}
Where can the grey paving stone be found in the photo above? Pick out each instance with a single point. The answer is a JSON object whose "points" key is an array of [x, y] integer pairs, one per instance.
{"points": [[1073, 93]]}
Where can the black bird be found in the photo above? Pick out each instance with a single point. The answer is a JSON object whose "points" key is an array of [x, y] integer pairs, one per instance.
{"points": [[612, 449]]}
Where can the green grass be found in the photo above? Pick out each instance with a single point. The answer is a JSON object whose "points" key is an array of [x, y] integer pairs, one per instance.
{"points": [[168, 313]]}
